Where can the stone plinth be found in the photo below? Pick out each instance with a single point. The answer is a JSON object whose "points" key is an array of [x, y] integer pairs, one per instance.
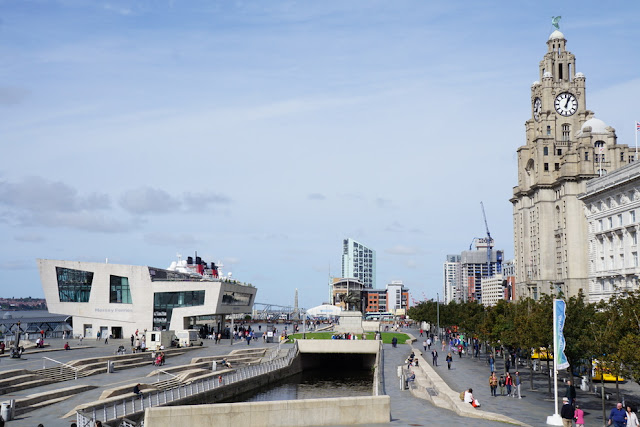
{"points": [[350, 321]]}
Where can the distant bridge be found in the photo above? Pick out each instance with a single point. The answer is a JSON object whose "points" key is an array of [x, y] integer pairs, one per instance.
{"points": [[263, 311]]}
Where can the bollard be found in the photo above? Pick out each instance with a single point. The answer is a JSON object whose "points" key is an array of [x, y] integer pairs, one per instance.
{"points": [[6, 411]]}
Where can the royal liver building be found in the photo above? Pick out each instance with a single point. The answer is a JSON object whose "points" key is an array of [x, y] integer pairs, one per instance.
{"points": [[566, 146]]}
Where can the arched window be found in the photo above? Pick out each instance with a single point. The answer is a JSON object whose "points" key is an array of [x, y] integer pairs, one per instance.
{"points": [[599, 151]]}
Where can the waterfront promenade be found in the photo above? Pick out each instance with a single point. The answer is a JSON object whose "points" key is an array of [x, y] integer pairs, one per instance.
{"points": [[406, 409]]}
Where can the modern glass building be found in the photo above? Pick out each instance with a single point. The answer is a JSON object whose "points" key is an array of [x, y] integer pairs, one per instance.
{"points": [[359, 262]]}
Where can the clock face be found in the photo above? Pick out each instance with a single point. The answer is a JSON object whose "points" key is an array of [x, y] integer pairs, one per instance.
{"points": [[537, 109], [566, 104]]}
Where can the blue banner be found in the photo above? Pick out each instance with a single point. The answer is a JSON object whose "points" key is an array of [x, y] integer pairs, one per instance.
{"points": [[560, 312]]}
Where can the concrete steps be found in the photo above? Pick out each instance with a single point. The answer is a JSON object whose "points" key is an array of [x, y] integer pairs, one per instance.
{"points": [[39, 400]]}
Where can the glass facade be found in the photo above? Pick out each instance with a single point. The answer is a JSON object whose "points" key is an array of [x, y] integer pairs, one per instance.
{"points": [[119, 290], [74, 285], [235, 298], [165, 302]]}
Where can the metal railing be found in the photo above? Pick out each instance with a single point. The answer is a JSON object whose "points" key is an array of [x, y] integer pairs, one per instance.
{"points": [[75, 370], [137, 404]]}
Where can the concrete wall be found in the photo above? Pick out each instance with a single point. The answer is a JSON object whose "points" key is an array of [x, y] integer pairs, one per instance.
{"points": [[316, 412], [338, 346]]}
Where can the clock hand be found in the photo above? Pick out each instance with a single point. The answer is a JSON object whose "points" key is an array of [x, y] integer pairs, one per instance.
{"points": [[567, 103]]}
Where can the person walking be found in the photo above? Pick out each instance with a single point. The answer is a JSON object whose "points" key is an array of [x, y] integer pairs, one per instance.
{"points": [[434, 356], [578, 414], [618, 416], [517, 382], [508, 381], [492, 362], [632, 418], [449, 360], [566, 412], [493, 384], [570, 393], [424, 345], [501, 384]]}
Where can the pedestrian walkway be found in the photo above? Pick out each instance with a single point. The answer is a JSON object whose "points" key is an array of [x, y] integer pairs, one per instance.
{"points": [[536, 405], [407, 410]]}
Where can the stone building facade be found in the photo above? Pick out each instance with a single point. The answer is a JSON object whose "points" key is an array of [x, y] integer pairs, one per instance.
{"points": [[612, 209], [566, 146]]}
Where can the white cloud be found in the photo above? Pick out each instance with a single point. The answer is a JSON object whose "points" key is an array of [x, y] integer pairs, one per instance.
{"points": [[149, 200]]}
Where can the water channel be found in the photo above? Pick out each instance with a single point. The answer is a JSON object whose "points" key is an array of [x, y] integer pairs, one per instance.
{"points": [[314, 384]]}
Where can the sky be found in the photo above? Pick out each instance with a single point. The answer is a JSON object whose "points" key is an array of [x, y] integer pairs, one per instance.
{"points": [[262, 133]]}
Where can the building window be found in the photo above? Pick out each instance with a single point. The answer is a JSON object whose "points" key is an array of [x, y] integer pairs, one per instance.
{"points": [[545, 151], [559, 151], [635, 258], [74, 285], [120, 292], [632, 217], [634, 238], [548, 130], [600, 225], [631, 158], [556, 166], [622, 156], [610, 223], [546, 167], [236, 298], [165, 302], [619, 220], [586, 155], [565, 132]]}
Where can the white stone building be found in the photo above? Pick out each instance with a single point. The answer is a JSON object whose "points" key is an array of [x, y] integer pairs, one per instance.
{"points": [[116, 300], [612, 209], [566, 146]]}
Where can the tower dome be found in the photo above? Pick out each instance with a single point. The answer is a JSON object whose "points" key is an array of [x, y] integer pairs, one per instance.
{"points": [[556, 35], [596, 125]]}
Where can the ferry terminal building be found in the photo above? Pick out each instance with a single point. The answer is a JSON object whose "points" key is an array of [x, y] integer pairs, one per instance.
{"points": [[118, 300]]}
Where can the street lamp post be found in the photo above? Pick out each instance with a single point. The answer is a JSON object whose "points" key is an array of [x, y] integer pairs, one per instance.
{"points": [[438, 312]]}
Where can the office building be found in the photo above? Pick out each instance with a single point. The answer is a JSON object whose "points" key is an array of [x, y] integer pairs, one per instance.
{"points": [[452, 279], [484, 261], [612, 207], [359, 262], [566, 146]]}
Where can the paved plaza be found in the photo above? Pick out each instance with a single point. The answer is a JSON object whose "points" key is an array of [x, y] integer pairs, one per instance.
{"points": [[406, 410]]}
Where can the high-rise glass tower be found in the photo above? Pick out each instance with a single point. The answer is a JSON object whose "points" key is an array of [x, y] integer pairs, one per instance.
{"points": [[359, 262]]}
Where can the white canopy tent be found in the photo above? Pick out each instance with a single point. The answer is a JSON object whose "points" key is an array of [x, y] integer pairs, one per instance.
{"points": [[324, 310]]}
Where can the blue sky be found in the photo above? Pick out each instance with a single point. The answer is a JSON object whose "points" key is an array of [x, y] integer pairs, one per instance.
{"points": [[262, 133]]}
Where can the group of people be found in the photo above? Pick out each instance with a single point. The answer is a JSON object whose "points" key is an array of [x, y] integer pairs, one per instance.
{"points": [[505, 381]]}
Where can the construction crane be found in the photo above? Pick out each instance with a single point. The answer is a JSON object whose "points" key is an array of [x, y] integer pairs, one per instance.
{"points": [[489, 241]]}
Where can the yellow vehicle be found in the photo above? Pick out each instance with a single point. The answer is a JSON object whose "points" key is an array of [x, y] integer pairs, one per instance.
{"points": [[541, 354], [597, 373]]}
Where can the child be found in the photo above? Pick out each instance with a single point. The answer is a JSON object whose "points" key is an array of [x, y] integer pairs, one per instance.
{"points": [[578, 414]]}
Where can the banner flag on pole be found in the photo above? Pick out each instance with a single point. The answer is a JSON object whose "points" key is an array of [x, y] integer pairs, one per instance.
{"points": [[561, 358]]}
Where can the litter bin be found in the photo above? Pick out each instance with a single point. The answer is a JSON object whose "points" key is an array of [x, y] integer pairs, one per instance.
{"points": [[6, 411], [214, 366], [110, 367]]}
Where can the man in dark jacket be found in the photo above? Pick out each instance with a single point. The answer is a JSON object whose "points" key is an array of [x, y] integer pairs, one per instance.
{"points": [[566, 412], [570, 393]]}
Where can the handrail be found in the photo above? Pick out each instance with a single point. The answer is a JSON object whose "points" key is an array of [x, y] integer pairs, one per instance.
{"points": [[137, 404], [63, 364]]}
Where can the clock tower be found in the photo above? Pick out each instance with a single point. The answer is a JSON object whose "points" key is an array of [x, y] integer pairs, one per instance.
{"points": [[565, 147]]}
